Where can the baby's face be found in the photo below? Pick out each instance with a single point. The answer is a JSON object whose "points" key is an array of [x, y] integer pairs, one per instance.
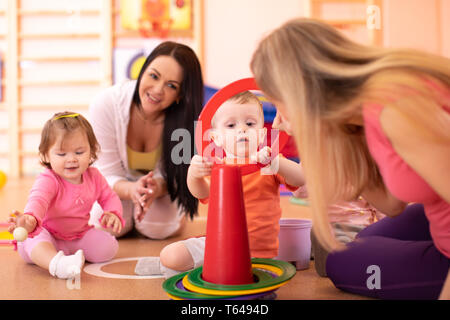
{"points": [[239, 128], [70, 155]]}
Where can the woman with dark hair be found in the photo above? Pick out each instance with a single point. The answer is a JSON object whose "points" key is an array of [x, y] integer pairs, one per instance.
{"points": [[134, 122]]}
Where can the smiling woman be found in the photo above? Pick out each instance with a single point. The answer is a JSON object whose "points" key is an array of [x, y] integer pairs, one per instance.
{"points": [[134, 122], [159, 87]]}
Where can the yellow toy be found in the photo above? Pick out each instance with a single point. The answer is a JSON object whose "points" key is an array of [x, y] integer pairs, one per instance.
{"points": [[2, 179], [5, 235]]}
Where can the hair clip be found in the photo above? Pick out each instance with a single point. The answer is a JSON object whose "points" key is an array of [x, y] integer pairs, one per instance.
{"points": [[72, 115]]}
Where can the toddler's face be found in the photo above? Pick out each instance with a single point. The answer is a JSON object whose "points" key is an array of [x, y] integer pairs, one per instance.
{"points": [[239, 128], [70, 155]]}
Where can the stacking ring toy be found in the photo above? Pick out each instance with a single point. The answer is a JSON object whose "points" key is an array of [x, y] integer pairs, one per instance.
{"points": [[175, 290], [194, 282], [269, 274], [170, 286], [204, 121], [287, 271], [244, 297]]}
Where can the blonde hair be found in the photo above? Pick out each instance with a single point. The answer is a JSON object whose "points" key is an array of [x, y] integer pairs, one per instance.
{"points": [[67, 122], [324, 80], [243, 98]]}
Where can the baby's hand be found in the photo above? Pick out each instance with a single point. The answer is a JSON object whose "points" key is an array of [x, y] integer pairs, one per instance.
{"points": [[111, 221], [262, 156], [199, 167], [18, 219]]}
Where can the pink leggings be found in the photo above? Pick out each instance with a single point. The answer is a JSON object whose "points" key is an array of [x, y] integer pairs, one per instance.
{"points": [[97, 245]]}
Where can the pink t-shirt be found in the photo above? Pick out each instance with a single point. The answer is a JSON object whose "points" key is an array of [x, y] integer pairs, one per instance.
{"points": [[403, 182], [63, 208]]}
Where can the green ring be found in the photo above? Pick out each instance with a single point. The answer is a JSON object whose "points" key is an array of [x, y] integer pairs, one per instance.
{"points": [[194, 277], [170, 286]]}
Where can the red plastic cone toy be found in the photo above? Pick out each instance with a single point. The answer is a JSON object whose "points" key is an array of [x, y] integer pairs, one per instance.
{"points": [[227, 252]]}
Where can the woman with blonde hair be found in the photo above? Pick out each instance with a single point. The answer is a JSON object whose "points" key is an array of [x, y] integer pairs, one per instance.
{"points": [[373, 122]]}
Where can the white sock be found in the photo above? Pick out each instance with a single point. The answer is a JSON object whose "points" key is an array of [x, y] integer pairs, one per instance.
{"points": [[148, 266], [152, 266], [66, 267]]}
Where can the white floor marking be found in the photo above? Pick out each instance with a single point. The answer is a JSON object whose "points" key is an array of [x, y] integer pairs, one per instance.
{"points": [[95, 269]]}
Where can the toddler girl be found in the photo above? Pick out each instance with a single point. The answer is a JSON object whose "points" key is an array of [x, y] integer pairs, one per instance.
{"points": [[57, 211]]}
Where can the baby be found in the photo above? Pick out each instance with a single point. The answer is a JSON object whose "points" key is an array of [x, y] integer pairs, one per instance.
{"points": [[57, 211], [235, 127]]}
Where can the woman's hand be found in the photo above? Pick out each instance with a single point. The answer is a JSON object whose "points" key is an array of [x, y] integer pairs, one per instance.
{"points": [[111, 221], [154, 189], [18, 219], [137, 191], [383, 200]]}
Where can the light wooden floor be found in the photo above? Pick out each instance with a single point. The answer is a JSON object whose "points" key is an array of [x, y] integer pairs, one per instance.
{"points": [[23, 281]]}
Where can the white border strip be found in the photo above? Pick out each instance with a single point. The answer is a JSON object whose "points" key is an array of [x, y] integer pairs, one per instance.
{"points": [[95, 269]]}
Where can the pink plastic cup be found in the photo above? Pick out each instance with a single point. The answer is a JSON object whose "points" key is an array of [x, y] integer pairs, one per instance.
{"points": [[295, 242]]}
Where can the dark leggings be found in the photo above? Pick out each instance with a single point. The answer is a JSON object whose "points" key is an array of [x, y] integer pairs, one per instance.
{"points": [[394, 258]]}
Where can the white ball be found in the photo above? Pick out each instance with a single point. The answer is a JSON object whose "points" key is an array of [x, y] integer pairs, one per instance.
{"points": [[20, 234]]}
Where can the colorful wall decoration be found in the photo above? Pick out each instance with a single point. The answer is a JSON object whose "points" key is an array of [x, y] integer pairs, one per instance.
{"points": [[157, 17]]}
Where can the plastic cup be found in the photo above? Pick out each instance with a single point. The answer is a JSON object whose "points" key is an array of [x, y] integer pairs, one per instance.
{"points": [[295, 242]]}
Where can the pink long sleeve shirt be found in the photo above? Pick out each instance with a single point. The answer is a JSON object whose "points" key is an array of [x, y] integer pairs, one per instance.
{"points": [[405, 183], [63, 208]]}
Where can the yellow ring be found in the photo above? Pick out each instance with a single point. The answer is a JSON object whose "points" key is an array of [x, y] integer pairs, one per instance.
{"points": [[276, 270], [196, 289], [174, 297], [267, 267]]}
